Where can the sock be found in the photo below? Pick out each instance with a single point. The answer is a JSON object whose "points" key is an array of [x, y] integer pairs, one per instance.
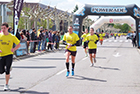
{"points": [[73, 64], [67, 66]]}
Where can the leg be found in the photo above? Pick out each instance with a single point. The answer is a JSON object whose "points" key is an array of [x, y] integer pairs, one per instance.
{"points": [[91, 58], [67, 63], [9, 60]]}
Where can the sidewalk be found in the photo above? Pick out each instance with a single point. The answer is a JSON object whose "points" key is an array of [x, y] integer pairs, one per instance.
{"points": [[61, 47]]}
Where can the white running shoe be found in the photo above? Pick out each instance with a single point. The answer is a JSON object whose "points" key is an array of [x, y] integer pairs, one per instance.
{"points": [[92, 65], [6, 87]]}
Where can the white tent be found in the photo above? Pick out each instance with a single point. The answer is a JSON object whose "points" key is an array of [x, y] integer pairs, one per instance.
{"points": [[114, 19]]}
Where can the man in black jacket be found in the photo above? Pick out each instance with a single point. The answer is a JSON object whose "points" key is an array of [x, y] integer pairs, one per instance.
{"points": [[32, 41]]}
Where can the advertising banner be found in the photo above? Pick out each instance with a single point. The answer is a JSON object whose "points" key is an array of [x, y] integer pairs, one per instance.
{"points": [[17, 10], [22, 50]]}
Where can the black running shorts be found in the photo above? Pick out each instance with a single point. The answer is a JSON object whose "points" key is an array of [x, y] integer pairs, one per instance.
{"points": [[5, 64], [73, 53], [85, 45], [92, 51]]}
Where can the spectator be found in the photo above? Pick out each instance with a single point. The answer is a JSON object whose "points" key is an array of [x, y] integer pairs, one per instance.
{"points": [[35, 43], [40, 39], [57, 39], [28, 40], [50, 40], [53, 39], [10, 30], [23, 37], [32, 41], [43, 40]]}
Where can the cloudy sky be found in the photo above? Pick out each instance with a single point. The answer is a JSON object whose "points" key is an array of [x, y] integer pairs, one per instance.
{"points": [[68, 5]]}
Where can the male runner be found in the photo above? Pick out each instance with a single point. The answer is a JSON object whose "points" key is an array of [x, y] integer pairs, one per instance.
{"points": [[92, 40], [70, 39], [101, 37], [84, 41], [6, 52]]}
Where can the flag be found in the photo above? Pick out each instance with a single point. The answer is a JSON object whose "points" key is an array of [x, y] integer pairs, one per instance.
{"points": [[17, 10]]}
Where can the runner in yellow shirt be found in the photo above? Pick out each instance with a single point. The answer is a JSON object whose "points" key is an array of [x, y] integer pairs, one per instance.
{"points": [[115, 35], [101, 35], [70, 39], [92, 40], [84, 44], [6, 52]]}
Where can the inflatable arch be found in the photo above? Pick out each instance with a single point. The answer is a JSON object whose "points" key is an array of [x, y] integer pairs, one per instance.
{"points": [[113, 19], [107, 10]]}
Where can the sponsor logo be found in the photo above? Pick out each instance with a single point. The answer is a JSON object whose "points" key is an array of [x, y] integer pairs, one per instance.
{"points": [[108, 10], [81, 13], [136, 12]]}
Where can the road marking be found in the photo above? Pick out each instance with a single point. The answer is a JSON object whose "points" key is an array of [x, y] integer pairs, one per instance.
{"points": [[84, 58], [115, 40], [61, 72], [109, 40], [117, 55], [121, 41], [126, 40]]}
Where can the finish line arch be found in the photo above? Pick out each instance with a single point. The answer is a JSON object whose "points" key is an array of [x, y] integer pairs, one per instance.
{"points": [[107, 10], [113, 19]]}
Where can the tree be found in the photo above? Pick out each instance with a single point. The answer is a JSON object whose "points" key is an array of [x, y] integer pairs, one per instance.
{"points": [[124, 28]]}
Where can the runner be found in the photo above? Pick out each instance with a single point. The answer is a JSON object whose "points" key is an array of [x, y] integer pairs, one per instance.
{"points": [[115, 35], [70, 40], [92, 40], [101, 35], [6, 52], [84, 44]]}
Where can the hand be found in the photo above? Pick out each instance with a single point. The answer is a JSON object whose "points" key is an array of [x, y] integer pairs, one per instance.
{"points": [[12, 49], [0, 51], [69, 45]]}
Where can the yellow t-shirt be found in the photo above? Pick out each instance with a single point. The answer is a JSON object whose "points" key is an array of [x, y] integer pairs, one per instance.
{"points": [[92, 39], [101, 36], [6, 44], [71, 39], [84, 37]]}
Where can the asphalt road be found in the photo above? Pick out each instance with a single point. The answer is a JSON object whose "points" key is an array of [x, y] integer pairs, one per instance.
{"points": [[116, 72]]}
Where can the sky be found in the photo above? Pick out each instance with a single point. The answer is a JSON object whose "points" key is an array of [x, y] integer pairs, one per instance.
{"points": [[69, 5]]}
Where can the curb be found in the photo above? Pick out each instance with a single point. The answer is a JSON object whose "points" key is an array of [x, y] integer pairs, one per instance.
{"points": [[37, 54]]}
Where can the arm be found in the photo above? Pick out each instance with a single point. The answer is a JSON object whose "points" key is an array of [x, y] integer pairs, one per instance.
{"points": [[14, 49], [64, 42]]}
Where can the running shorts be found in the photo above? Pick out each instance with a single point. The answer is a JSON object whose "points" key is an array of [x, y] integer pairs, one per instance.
{"points": [[5, 64], [101, 39], [73, 53], [92, 51], [85, 45]]}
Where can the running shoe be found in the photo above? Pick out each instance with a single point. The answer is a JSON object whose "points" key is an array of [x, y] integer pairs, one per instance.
{"points": [[6, 87], [92, 65], [86, 55], [94, 60], [67, 74], [72, 73]]}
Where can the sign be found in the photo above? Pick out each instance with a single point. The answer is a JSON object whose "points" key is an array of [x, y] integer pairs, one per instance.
{"points": [[136, 12], [108, 10], [22, 50]]}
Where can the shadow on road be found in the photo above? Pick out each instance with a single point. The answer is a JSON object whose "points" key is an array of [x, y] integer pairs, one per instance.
{"points": [[77, 77], [106, 68], [34, 67], [101, 57], [21, 91], [50, 58], [113, 47]]}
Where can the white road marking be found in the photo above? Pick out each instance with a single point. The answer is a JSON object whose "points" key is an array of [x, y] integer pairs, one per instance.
{"points": [[84, 58], [61, 72], [121, 41], [117, 55]]}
